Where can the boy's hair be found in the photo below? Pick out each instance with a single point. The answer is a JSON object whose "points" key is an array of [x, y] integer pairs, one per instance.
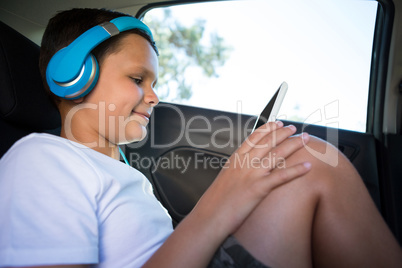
{"points": [[66, 26]]}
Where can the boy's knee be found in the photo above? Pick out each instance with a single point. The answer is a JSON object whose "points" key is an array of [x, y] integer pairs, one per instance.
{"points": [[321, 154], [329, 165]]}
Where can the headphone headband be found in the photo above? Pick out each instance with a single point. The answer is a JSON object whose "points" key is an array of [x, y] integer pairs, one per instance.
{"points": [[69, 63]]}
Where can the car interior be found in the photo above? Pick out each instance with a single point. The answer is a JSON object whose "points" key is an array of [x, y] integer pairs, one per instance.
{"points": [[376, 153]]}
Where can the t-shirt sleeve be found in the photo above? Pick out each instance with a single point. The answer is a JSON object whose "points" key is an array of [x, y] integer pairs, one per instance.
{"points": [[48, 206]]}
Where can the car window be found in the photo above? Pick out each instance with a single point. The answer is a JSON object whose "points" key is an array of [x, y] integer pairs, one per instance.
{"points": [[233, 55]]}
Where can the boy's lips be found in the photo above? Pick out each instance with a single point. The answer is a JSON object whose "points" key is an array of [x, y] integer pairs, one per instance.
{"points": [[143, 115]]}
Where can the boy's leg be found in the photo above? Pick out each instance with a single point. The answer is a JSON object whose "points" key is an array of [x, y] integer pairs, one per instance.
{"points": [[325, 219]]}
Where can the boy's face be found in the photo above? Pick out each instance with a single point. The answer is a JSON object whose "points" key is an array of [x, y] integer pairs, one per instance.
{"points": [[124, 94]]}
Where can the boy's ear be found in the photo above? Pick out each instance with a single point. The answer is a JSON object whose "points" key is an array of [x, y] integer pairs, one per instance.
{"points": [[79, 100]]}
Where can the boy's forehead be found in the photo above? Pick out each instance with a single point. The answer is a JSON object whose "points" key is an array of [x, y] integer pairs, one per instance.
{"points": [[136, 43], [135, 50]]}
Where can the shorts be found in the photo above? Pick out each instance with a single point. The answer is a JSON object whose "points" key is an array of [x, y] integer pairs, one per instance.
{"points": [[232, 255]]}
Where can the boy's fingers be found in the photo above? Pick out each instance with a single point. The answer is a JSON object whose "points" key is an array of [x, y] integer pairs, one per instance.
{"points": [[281, 176], [277, 137], [274, 139], [257, 135], [287, 148]]}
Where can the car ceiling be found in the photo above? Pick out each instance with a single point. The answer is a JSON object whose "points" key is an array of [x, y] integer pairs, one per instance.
{"points": [[31, 16]]}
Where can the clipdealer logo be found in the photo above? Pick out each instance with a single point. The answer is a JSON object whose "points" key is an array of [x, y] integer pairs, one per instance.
{"points": [[206, 136]]}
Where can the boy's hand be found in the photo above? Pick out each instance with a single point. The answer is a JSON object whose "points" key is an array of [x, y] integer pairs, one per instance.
{"points": [[251, 173]]}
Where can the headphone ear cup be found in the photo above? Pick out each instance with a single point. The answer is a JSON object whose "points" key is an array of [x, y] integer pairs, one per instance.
{"points": [[85, 83], [79, 86]]}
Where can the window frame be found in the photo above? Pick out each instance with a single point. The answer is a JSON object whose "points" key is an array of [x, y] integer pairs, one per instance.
{"points": [[379, 67]]}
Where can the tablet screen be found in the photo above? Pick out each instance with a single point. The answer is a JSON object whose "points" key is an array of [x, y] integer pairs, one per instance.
{"points": [[270, 112]]}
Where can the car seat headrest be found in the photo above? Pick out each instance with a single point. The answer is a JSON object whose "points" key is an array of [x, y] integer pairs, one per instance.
{"points": [[23, 101]]}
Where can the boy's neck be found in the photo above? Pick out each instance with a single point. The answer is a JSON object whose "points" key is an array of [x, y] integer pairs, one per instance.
{"points": [[100, 144]]}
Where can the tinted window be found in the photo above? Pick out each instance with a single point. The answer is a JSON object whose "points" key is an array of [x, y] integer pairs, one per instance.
{"points": [[232, 56]]}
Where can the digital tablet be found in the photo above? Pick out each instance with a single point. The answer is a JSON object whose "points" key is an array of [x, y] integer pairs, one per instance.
{"points": [[270, 112]]}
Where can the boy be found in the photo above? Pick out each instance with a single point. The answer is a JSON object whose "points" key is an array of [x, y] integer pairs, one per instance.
{"points": [[87, 208]]}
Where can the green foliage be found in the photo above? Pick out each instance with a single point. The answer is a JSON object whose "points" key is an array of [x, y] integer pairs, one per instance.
{"points": [[182, 48]]}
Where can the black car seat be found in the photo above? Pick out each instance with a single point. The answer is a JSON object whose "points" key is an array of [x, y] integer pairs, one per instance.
{"points": [[24, 105]]}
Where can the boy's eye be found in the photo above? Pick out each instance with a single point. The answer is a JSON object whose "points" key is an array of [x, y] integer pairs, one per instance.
{"points": [[137, 80]]}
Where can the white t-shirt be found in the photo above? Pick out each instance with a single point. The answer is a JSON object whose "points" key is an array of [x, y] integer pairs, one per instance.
{"points": [[63, 203]]}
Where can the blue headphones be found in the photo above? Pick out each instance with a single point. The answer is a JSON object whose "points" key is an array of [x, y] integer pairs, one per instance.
{"points": [[73, 71]]}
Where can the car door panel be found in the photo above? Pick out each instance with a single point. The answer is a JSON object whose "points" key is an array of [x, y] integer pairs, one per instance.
{"points": [[187, 146]]}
